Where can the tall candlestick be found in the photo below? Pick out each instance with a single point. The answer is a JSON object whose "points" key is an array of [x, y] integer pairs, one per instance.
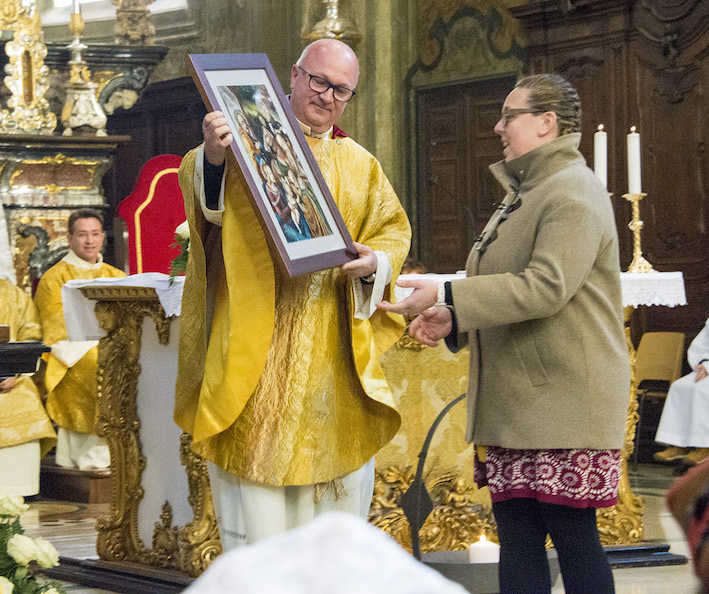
{"points": [[600, 155], [75, 7], [634, 186]]}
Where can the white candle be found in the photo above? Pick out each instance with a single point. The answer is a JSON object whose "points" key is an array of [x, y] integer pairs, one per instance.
{"points": [[75, 7], [634, 162], [600, 155], [484, 551]]}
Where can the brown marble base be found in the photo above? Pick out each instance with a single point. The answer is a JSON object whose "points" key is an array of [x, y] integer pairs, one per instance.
{"points": [[72, 484]]}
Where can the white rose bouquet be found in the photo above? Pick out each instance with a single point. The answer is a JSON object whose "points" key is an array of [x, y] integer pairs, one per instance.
{"points": [[21, 557], [182, 241]]}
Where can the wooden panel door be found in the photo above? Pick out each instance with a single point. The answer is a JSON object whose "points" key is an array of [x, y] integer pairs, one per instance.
{"points": [[456, 144]]}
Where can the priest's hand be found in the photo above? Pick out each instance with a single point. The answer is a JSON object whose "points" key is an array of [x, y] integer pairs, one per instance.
{"points": [[432, 325], [8, 383], [425, 295], [701, 372], [364, 265], [217, 137]]}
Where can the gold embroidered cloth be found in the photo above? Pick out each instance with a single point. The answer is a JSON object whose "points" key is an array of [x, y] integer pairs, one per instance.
{"points": [[293, 392], [22, 416], [71, 392]]}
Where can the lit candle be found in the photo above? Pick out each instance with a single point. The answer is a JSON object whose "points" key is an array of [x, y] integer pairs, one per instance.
{"points": [[484, 551], [634, 162], [75, 7], [600, 155]]}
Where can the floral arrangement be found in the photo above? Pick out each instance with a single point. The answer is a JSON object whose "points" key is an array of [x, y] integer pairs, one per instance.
{"points": [[21, 557], [182, 241]]}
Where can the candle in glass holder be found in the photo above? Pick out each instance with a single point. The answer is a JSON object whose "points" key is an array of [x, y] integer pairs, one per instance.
{"points": [[600, 155], [484, 551], [634, 162]]}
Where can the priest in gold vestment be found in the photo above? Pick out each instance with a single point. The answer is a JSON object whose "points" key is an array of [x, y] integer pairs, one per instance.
{"points": [[279, 380], [26, 433], [71, 368]]}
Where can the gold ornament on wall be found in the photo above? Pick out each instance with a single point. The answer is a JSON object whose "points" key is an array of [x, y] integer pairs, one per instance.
{"points": [[334, 26], [81, 112], [27, 75]]}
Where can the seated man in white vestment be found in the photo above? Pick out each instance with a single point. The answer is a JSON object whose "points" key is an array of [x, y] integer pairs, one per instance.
{"points": [[684, 424], [71, 368], [26, 433]]}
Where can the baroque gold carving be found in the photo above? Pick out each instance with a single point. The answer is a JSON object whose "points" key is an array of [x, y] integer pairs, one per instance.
{"points": [[120, 312], [455, 522], [27, 75], [133, 26], [623, 523], [55, 173]]}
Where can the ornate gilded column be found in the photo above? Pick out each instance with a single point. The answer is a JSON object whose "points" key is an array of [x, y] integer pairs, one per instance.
{"points": [[27, 75]]}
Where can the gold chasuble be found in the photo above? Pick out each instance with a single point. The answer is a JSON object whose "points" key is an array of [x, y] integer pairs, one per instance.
{"points": [[288, 389], [22, 415], [71, 398]]}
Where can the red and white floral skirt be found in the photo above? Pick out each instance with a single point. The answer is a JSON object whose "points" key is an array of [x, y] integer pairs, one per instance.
{"points": [[577, 478]]}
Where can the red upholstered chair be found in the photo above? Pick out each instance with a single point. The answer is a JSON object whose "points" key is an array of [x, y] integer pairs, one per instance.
{"points": [[151, 213]]}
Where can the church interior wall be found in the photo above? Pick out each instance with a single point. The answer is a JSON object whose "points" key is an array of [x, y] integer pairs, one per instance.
{"points": [[630, 74]]}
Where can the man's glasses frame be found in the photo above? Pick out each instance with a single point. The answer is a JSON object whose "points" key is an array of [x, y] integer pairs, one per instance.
{"points": [[507, 115], [322, 85]]}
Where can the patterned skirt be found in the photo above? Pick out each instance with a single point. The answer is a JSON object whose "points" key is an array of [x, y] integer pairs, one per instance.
{"points": [[576, 478]]}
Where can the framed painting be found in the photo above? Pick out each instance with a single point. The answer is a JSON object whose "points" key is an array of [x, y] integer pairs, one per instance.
{"points": [[301, 221]]}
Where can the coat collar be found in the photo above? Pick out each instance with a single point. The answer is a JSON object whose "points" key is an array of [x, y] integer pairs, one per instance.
{"points": [[539, 163]]}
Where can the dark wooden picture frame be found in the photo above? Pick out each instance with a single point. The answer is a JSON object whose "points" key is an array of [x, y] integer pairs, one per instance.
{"points": [[285, 185]]}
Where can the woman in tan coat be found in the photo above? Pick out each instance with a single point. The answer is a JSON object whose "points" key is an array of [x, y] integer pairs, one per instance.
{"points": [[549, 374]]}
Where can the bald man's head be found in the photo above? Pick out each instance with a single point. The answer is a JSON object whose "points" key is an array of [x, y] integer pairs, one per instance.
{"points": [[327, 60]]}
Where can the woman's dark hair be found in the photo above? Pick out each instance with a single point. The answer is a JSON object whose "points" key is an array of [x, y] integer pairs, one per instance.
{"points": [[551, 92]]}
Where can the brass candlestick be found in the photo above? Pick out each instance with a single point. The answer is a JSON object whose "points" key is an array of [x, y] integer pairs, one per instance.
{"points": [[639, 263], [81, 113]]}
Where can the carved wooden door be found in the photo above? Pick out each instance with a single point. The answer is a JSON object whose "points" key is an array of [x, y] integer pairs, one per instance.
{"points": [[456, 191]]}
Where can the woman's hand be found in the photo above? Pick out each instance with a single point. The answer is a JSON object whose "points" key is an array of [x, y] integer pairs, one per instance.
{"points": [[432, 325], [424, 296]]}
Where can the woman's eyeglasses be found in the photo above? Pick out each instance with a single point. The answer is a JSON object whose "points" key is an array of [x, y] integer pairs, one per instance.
{"points": [[507, 115]]}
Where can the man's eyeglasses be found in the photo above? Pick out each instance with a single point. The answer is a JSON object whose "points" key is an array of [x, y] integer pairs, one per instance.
{"points": [[508, 115], [322, 85]]}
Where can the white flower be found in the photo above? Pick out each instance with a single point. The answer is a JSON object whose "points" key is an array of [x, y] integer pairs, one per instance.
{"points": [[6, 586], [47, 555], [22, 549], [183, 231], [13, 505]]}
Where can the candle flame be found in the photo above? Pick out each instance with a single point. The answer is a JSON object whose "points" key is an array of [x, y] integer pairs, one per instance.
{"points": [[600, 127], [632, 129], [482, 538]]}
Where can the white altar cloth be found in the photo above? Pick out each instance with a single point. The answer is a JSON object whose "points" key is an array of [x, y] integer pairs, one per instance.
{"points": [[79, 315], [653, 288]]}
